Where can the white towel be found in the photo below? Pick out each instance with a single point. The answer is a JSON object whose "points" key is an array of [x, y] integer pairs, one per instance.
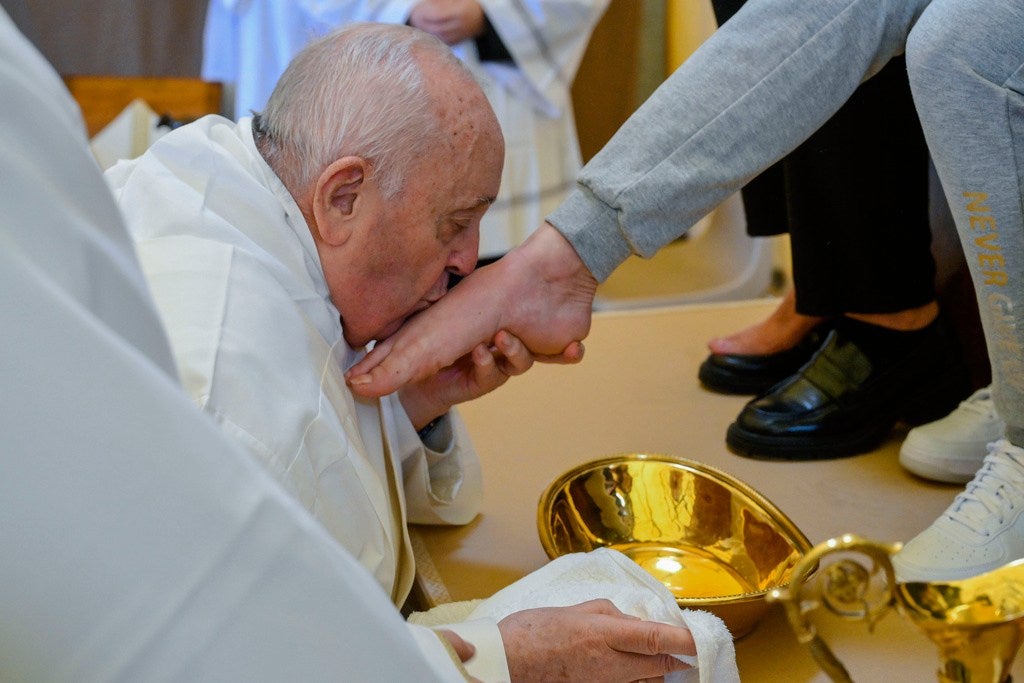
{"points": [[606, 573]]}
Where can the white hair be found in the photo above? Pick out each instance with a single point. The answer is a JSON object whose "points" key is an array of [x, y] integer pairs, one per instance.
{"points": [[358, 91]]}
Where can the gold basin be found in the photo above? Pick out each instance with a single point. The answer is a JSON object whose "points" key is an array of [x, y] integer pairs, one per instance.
{"points": [[715, 542]]}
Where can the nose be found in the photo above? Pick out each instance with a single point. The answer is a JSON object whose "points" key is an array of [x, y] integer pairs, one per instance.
{"points": [[465, 250]]}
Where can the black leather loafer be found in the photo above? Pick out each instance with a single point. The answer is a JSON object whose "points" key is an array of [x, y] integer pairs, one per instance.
{"points": [[840, 404], [734, 373]]}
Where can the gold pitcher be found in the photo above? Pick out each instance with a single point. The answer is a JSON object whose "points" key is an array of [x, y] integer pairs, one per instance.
{"points": [[977, 623]]}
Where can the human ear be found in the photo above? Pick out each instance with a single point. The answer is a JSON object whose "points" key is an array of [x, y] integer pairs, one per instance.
{"points": [[339, 198]]}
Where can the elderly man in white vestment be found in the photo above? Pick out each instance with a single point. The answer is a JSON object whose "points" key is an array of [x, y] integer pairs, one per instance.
{"points": [[277, 248], [140, 544]]}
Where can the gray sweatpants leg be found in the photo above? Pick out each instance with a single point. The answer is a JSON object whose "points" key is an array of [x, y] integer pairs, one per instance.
{"points": [[771, 76], [965, 59]]}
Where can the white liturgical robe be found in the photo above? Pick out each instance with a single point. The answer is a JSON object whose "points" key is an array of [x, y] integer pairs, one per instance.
{"points": [[139, 544], [249, 43], [236, 276]]}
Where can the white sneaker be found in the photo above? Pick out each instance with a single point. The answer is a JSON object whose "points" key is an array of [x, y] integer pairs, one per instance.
{"points": [[982, 529], [952, 449]]}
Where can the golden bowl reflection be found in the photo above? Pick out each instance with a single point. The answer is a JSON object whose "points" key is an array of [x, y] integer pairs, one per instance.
{"points": [[715, 542]]}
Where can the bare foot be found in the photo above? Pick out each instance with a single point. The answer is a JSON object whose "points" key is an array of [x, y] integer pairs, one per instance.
{"points": [[780, 331]]}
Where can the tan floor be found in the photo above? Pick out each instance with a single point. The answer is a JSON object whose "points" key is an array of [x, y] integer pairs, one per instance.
{"points": [[637, 391]]}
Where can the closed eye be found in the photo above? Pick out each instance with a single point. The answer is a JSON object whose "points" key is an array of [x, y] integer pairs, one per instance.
{"points": [[462, 220], [452, 229]]}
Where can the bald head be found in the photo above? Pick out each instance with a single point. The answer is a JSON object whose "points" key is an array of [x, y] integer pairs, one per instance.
{"points": [[463, 116], [378, 91]]}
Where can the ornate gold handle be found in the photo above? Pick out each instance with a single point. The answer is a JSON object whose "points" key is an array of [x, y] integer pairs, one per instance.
{"points": [[849, 589]]}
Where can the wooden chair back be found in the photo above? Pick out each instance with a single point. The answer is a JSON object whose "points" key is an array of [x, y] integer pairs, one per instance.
{"points": [[102, 98]]}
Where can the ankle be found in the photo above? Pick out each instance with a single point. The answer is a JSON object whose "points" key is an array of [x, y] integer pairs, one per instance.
{"points": [[902, 321], [781, 331], [884, 345]]}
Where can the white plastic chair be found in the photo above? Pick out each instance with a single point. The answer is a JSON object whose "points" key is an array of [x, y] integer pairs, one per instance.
{"points": [[717, 261]]}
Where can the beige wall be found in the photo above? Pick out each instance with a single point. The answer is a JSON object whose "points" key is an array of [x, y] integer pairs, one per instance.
{"points": [[120, 37], [636, 44], [623, 64]]}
